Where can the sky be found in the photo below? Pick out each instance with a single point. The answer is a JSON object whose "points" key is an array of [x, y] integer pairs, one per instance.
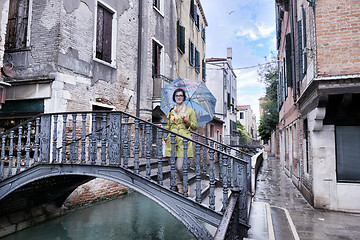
{"points": [[248, 27]]}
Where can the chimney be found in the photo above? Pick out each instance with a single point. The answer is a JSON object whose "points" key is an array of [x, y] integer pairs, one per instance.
{"points": [[229, 55]]}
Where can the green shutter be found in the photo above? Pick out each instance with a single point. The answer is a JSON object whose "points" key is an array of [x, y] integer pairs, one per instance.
{"points": [[288, 61]]}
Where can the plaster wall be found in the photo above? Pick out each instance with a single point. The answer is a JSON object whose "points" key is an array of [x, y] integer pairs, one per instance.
{"points": [[184, 69], [328, 193]]}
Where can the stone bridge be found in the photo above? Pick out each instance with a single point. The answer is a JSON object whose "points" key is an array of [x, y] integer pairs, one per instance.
{"points": [[45, 158]]}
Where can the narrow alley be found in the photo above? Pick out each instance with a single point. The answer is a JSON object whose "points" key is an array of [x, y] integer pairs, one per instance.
{"points": [[292, 217]]}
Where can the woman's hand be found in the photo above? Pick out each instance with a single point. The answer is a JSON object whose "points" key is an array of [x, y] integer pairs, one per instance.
{"points": [[184, 117]]}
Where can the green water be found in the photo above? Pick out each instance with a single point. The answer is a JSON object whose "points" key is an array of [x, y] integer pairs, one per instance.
{"points": [[130, 217]]}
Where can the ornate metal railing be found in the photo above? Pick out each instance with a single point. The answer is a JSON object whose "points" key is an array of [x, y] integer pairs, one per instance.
{"points": [[118, 139]]}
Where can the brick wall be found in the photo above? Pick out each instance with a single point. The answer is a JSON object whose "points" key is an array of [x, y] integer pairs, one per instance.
{"points": [[337, 35], [94, 191]]}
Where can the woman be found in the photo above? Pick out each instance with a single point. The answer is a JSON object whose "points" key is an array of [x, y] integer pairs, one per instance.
{"points": [[181, 119]]}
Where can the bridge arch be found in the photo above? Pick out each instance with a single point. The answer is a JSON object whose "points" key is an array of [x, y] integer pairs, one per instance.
{"points": [[190, 214]]}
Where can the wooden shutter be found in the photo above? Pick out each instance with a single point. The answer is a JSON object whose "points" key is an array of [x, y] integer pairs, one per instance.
{"points": [[288, 60], [17, 24], [107, 36], [197, 61], [99, 32]]}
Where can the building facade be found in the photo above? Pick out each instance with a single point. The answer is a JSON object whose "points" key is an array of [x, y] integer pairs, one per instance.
{"points": [[247, 119], [221, 81], [319, 91], [186, 42], [62, 55]]}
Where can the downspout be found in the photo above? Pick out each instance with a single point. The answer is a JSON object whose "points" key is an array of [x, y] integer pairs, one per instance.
{"points": [[138, 81]]}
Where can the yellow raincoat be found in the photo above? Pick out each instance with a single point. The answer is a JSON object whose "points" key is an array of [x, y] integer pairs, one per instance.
{"points": [[182, 128]]}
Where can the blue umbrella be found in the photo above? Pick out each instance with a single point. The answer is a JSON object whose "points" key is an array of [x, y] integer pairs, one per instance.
{"points": [[198, 97]]}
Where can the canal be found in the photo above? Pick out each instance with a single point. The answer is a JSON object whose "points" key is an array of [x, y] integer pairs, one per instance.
{"points": [[133, 216]]}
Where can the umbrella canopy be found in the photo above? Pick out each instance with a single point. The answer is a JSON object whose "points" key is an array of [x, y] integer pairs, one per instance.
{"points": [[198, 97]]}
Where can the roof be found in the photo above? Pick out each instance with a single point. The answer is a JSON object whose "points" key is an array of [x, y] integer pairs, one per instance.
{"points": [[243, 107]]}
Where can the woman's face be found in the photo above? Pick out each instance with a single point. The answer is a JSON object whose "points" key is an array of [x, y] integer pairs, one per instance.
{"points": [[179, 98]]}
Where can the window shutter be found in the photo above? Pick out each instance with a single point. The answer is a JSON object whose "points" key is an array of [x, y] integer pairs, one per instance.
{"points": [[191, 53], [182, 38], [197, 61], [304, 52], [203, 70], [288, 60], [178, 34], [300, 51], [192, 8], [107, 36], [99, 32]]}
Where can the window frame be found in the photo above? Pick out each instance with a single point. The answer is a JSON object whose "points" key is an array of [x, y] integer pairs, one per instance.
{"points": [[180, 30], [159, 58], [113, 34], [28, 29]]}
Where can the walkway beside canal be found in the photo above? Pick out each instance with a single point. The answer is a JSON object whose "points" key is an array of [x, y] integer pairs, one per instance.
{"points": [[279, 211]]}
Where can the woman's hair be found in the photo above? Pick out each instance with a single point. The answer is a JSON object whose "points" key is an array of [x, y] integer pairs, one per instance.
{"points": [[179, 90]]}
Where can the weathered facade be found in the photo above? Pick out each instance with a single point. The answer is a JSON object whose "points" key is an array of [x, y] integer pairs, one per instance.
{"points": [[221, 81], [319, 94]]}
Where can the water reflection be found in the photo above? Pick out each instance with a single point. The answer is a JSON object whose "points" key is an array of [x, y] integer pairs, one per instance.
{"points": [[131, 217]]}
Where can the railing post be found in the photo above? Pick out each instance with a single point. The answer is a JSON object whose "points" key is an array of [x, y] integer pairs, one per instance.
{"points": [[212, 177], [220, 162], [18, 148], [83, 137], [54, 140], [136, 147], [143, 140], [114, 141], [63, 149], [45, 138], [159, 155], [2, 157], [93, 140], [11, 152], [148, 150], [73, 155], [27, 147], [126, 141], [37, 141], [172, 163], [185, 169], [198, 170], [225, 181], [103, 139], [204, 155]]}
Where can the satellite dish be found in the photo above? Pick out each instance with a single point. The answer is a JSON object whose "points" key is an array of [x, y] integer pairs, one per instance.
{"points": [[8, 70]]}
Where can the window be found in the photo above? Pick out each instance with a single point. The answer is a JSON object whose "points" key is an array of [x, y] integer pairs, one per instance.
{"points": [[156, 59], [193, 13], [303, 40], [306, 139], [156, 3], [228, 100], [197, 61], [180, 37], [241, 115], [212, 130], [203, 33], [347, 153], [18, 24], [105, 34], [191, 53], [204, 70]]}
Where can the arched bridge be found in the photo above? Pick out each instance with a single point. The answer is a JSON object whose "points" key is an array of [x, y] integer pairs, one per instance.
{"points": [[45, 158]]}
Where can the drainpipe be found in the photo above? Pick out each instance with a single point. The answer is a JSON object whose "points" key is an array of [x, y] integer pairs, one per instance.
{"points": [[138, 81]]}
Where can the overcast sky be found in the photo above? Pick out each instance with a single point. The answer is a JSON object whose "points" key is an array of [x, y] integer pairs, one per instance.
{"points": [[248, 27]]}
